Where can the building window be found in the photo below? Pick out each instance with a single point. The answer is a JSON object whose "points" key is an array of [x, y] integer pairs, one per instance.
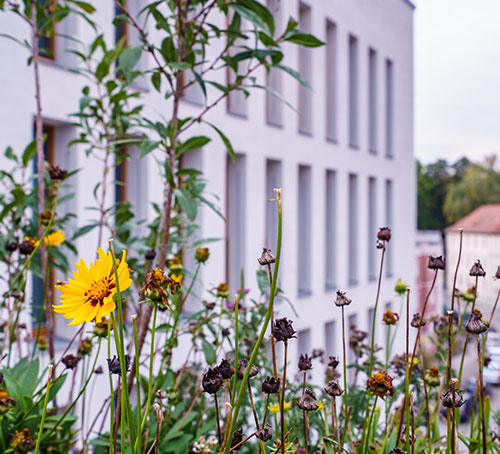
{"points": [[330, 339], [121, 166], [389, 108], [304, 231], [236, 100], [330, 230], [372, 228], [389, 220], [331, 81], [305, 68], [304, 341], [121, 26], [47, 30], [372, 101], [353, 230], [370, 314], [236, 221], [274, 107], [273, 180], [353, 92]]}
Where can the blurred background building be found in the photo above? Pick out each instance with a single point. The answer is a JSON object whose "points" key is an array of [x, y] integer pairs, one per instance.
{"points": [[344, 160]]}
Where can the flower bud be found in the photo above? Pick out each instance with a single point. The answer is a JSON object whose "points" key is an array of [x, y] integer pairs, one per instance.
{"points": [[270, 385], [222, 291], [477, 270], [308, 401], [384, 234], [202, 254], [432, 377], [85, 347], [390, 318], [21, 441], [42, 344], [212, 381], [101, 329], [497, 274], [114, 364], [401, 287], [27, 246], [264, 433], [70, 361], [242, 368], [282, 329], [6, 402], [150, 255], [397, 451], [305, 362], [341, 299], [226, 369], [267, 257], [476, 324], [238, 438], [436, 263]]}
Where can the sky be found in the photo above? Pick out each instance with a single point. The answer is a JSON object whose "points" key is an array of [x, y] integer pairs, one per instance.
{"points": [[457, 79]]}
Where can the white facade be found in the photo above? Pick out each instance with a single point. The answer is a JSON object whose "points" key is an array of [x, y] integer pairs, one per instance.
{"points": [[345, 162]]}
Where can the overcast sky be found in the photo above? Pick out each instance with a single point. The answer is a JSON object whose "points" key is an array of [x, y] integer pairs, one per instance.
{"points": [[457, 79]]}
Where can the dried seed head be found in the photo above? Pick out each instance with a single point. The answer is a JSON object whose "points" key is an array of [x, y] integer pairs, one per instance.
{"points": [[436, 263], [27, 247], [318, 353], [270, 385], [238, 438], [417, 320], [226, 332], [70, 361], [212, 381], [452, 398], [380, 384], [85, 347], [476, 324], [384, 234], [56, 173], [114, 364], [242, 368], [398, 362], [202, 254], [305, 362], [21, 441], [267, 257], [341, 299], [150, 255], [333, 362], [98, 370], [390, 318], [210, 306], [477, 270], [226, 369], [11, 246], [333, 388], [264, 433], [282, 329], [308, 401], [497, 274]]}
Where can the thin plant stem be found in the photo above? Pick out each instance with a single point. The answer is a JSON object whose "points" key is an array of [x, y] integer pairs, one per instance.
{"points": [[346, 412], [250, 395], [427, 404], [411, 435], [112, 397], [138, 385], [44, 411], [263, 329], [307, 434], [481, 394], [273, 344], [282, 403], [219, 437], [236, 346], [370, 422]]}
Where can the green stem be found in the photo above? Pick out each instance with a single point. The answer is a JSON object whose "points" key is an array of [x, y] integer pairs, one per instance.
{"points": [[370, 422], [42, 310], [112, 396], [251, 361], [138, 384], [44, 412], [236, 347], [346, 408]]}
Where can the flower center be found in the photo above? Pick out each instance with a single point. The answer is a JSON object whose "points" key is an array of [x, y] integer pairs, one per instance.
{"points": [[99, 290]]}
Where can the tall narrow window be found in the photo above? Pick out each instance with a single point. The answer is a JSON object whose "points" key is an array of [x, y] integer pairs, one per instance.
{"points": [[274, 107], [46, 29], [372, 228], [389, 221], [121, 26], [330, 231], [331, 81], [372, 101], [273, 180], [236, 100], [370, 315], [121, 166], [305, 68], [389, 108], [353, 230], [353, 92], [236, 221], [352, 322], [304, 341], [330, 339], [304, 231]]}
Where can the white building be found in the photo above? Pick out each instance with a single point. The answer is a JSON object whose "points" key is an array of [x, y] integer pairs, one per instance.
{"points": [[345, 161], [481, 241]]}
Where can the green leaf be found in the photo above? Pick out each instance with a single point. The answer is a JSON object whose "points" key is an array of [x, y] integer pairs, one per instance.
{"points": [[147, 146], [193, 143], [9, 154], [186, 202], [84, 230], [29, 153], [30, 379], [156, 80], [226, 141], [87, 7], [304, 39], [296, 75], [275, 94], [255, 13], [128, 59], [209, 351]]}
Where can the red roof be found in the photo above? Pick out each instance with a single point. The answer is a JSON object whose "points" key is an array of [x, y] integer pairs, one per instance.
{"points": [[485, 219]]}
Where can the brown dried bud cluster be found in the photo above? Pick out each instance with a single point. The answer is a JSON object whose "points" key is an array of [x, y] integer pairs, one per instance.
{"points": [[384, 234], [436, 263], [27, 247], [242, 368], [305, 362], [452, 398], [56, 173], [333, 361], [114, 365], [417, 321], [150, 255], [282, 329], [477, 270], [70, 361], [211, 381], [308, 401], [270, 385], [476, 324], [341, 299], [238, 438], [10, 246], [264, 433], [267, 257], [158, 287], [333, 388], [226, 369], [397, 451], [390, 318]]}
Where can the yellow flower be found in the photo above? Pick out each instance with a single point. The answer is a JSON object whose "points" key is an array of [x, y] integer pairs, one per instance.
{"points": [[275, 408], [89, 295], [54, 238]]}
